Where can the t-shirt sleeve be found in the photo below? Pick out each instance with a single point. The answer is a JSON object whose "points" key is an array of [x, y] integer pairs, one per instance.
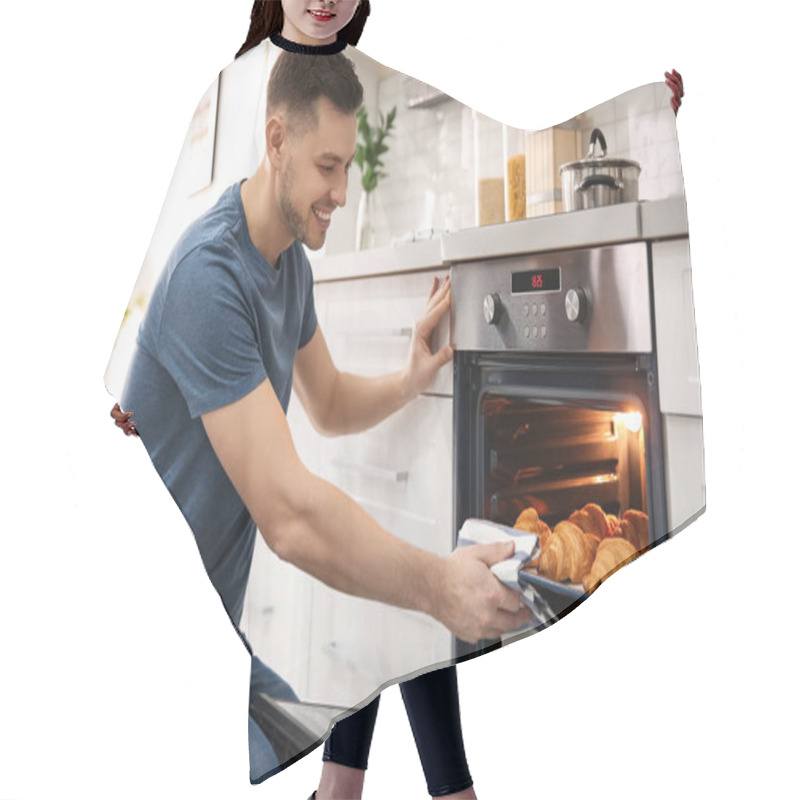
{"points": [[207, 340], [309, 324]]}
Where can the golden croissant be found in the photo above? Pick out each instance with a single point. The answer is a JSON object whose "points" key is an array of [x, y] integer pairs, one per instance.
{"points": [[611, 555], [567, 554], [529, 521], [592, 519], [633, 528]]}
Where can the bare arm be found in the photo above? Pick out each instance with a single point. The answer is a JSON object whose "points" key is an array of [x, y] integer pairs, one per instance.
{"points": [[313, 525], [339, 402]]}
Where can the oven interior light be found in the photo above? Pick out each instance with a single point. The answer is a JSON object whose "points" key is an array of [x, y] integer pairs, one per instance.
{"points": [[632, 420]]}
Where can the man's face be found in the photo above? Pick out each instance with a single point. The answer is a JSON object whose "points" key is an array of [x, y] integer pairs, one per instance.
{"points": [[313, 181], [317, 19]]}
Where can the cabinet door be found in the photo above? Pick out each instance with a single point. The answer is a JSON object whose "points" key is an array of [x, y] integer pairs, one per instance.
{"points": [[369, 323], [357, 646]]}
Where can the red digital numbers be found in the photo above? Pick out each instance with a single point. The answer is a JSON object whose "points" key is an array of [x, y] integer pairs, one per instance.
{"points": [[536, 281]]}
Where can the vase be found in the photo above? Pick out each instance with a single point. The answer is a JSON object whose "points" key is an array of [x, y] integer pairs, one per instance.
{"points": [[365, 228]]}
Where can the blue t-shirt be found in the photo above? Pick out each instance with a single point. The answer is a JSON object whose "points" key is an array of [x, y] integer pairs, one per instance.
{"points": [[221, 320]]}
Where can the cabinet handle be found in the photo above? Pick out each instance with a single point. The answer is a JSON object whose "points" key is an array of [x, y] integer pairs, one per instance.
{"points": [[371, 471]]}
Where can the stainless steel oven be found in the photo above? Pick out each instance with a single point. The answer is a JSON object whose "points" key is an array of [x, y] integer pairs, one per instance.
{"points": [[557, 394]]}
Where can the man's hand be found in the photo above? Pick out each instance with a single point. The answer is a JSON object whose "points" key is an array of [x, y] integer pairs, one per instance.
{"points": [[472, 602], [422, 363]]}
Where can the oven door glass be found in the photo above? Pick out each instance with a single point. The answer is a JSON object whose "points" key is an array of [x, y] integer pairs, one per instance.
{"points": [[557, 459], [544, 441]]}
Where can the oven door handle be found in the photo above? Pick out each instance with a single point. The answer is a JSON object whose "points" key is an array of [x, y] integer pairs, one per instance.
{"points": [[371, 471]]}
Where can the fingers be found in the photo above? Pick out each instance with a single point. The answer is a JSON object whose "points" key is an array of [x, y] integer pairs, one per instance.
{"points": [[128, 427], [438, 304], [124, 420], [509, 600], [675, 83], [444, 355], [434, 315], [675, 77], [506, 619], [438, 290], [494, 552]]}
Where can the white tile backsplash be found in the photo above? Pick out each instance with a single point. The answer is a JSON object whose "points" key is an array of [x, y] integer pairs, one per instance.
{"points": [[431, 163]]}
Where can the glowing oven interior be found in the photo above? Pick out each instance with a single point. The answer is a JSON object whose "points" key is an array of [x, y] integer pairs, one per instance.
{"points": [[558, 458]]}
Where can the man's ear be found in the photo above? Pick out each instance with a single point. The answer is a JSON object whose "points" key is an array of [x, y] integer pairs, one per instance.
{"points": [[277, 138]]}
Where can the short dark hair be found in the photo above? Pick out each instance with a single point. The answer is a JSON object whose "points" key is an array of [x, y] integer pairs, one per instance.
{"points": [[266, 18], [299, 80]]}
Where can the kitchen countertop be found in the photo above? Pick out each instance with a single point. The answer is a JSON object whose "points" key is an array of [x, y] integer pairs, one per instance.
{"points": [[627, 222]]}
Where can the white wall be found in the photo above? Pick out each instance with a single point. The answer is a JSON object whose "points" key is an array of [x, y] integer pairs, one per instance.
{"points": [[431, 158]]}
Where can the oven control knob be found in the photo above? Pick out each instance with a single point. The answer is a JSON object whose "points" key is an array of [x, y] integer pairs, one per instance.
{"points": [[491, 308], [576, 305]]}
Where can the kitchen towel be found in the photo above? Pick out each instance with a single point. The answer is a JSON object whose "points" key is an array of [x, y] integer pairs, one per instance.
{"points": [[526, 547]]}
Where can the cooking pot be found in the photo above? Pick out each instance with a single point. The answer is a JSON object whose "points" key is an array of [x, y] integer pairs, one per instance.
{"points": [[597, 180]]}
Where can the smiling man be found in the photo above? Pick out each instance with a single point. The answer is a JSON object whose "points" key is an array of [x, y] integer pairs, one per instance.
{"points": [[231, 329]]}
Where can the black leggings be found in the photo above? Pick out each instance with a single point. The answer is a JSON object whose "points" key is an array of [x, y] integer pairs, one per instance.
{"points": [[432, 706]]}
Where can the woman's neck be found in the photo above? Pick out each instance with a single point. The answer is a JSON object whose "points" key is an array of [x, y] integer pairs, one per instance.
{"points": [[317, 48], [297, 36]]}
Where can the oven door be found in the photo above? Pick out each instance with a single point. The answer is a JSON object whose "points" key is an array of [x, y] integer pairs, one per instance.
{"points": [[555, 432]]}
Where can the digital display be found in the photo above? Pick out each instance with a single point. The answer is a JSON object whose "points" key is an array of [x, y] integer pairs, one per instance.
{"points": [[536, 280]]}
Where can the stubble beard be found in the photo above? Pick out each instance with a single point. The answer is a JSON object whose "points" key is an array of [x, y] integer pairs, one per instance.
{"points": [[295, 223]]}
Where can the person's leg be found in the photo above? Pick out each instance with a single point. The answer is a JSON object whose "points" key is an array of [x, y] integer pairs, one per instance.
{"points": [[433, 710], [263, 758], [344, 760], [263, 680]]}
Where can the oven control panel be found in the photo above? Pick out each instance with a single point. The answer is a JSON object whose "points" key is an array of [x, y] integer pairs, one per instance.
{"points": [[589, 300]]}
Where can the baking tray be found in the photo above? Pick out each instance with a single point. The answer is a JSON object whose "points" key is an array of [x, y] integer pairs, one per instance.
{"points": [[564, 593]]}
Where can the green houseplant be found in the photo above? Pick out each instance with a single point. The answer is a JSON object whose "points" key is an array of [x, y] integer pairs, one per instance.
{"points": [[370, 148]]}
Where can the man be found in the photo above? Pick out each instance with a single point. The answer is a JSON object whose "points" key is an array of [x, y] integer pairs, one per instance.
{"points": [[231, 329]]}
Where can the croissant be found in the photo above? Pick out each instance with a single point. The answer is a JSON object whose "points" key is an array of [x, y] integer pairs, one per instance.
{"points": [[593, 543], [611, 555], [529, 521], [567, 555], [591, 519], [633, 527]]}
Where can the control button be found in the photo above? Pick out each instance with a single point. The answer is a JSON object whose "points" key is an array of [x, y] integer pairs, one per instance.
{"points": [[527, 332], [575, 304], [535, 332], [543, 309], [526, 309], [491, 309], [534, 309], [544, 331]]}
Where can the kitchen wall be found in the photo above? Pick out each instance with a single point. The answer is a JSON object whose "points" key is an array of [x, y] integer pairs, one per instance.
{"points": [[640, 125], [237, 148], [431, 162]]}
